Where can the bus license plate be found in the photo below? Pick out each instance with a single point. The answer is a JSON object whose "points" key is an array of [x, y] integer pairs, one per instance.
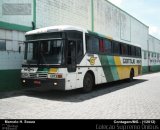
{"points": [[37, 82]]}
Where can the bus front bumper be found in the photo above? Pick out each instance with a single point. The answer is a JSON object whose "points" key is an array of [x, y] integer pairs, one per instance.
{"points": [[57, 84]]}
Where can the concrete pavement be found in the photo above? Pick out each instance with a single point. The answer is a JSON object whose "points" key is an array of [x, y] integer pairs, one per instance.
{"points": [[139, 99]]}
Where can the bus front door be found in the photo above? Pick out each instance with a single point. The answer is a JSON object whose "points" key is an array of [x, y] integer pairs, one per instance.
{"points": [[71, 63], [71, 58]]}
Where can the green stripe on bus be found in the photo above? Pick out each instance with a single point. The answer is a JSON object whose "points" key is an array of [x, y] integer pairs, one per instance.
{"points": [[43, 70], [113, 67], [106, 68]]}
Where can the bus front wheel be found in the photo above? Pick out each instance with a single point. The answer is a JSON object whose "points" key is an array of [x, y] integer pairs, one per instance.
{"points": [[88, 83]]}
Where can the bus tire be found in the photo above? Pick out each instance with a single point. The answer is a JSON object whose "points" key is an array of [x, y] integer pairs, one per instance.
{"points": [[131, 75], [88, 83]]}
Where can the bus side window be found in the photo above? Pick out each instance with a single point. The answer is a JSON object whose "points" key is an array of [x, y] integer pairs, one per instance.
{"points": [[124, 50], [101, 45], [88, 44], [129, 50], [116, 48], [138, 52], [133, 51], [107, 46], [92, 44], [95, 45]]}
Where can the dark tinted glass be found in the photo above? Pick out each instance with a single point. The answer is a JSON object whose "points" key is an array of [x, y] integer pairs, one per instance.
{"points": [[116, 48], [107, 46]]}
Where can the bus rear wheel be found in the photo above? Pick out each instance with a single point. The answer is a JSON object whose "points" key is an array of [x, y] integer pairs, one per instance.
{"points": [[131, 75], [88, 83]]}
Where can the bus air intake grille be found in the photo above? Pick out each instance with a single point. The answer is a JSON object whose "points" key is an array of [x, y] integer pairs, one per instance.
{"points": [[42, 75]]}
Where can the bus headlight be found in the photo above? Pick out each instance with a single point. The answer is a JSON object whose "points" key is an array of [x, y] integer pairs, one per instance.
{"points": [[55, 84], [24, 81]]}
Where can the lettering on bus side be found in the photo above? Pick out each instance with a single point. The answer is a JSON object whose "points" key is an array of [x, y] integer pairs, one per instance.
{"points": [[139, 62], [129, 61]]}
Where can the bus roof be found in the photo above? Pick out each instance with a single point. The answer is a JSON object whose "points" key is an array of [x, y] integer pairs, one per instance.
{"points": [[55, 29]]}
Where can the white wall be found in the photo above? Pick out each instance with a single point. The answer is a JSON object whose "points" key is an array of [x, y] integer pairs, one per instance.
{"points": [[106, 19], [139, 34], [154, 44], [113, 22], [67, 12]]}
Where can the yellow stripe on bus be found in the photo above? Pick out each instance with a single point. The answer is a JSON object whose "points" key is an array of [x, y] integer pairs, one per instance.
{"points": [[124, 70]]}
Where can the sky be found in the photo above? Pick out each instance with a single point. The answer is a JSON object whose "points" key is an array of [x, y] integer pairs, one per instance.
{"points": [[147, 11]]}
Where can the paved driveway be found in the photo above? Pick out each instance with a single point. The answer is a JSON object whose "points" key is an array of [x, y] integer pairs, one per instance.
{"points": [[119, 100]]}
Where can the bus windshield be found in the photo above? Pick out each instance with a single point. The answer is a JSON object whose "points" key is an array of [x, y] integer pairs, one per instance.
{"points": [[45, 52]]}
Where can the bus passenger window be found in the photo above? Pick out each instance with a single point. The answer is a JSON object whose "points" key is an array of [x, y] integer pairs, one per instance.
{"points": [[88, 44], [133, 51], [107, 46], [95, 45], [116, 48], [138, 52], [92, 44], [129, 50], [124, 49]]}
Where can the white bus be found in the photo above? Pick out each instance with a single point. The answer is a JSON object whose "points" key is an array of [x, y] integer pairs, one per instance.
{"points": [[68, 57]]}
